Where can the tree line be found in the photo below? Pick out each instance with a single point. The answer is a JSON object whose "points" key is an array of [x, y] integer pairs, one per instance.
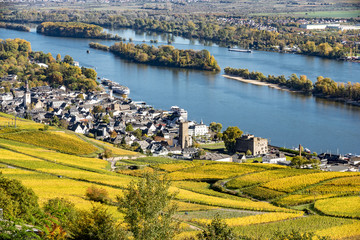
{"points": [[329, 44], [323, 87], [74, 29], [17, 27], [164, 55], [17, 58]]}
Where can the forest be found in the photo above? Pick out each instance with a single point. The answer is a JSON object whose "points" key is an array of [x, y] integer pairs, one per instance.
{"points": [[323, 87], [164, 55], [74, 29], [256, 32], [17, 58]]}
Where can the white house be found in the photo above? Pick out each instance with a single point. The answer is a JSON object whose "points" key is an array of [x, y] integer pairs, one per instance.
{"points": [[274, 158]]}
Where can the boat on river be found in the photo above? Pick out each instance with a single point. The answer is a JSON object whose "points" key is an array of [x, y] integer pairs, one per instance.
{"points": [[240, 50], [117, 88]]}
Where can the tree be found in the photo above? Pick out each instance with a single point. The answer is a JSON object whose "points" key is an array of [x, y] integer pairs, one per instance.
{"points": [[217, 230], [96, 224], [299, 162], [113, 134], [58, 57], [229, 136], [10, 230], [215, 127], [97, 194], [248, 152], [107, 153], [89, 73], [68, 59], [129, 128], [147, 208], [61, 209], [17, 201], [138, 133]]}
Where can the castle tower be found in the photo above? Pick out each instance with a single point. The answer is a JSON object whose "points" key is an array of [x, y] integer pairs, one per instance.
{"points": [[27, 95], [184, 135]]}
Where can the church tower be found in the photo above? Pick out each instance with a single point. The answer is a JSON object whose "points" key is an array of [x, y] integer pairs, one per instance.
{"points": [[184, 135], [27, 95]]}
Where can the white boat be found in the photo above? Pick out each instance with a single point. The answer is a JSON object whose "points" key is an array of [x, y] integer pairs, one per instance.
{"points": [[240, 50], [116, 88], [122, 90]]}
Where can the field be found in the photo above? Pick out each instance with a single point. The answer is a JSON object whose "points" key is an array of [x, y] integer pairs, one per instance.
{"points": [[261, 200], [52, 140], [340, 207]]}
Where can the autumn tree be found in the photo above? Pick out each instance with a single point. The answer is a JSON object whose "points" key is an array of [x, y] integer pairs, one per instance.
{"points": [[148, 209], [96, 224], [229, 136], [217, 230]]}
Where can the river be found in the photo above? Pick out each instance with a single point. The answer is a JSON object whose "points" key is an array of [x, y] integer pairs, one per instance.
{"points": [[286, 119]]}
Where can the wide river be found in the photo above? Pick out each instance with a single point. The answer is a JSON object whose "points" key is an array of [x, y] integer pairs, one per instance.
{"points": [[285, 118]]}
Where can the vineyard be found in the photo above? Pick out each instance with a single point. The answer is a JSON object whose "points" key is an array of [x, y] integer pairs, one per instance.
{"points": [[263, 197]]}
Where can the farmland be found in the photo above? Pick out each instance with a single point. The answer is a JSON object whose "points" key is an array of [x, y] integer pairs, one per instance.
{"points": [[261, 202]]}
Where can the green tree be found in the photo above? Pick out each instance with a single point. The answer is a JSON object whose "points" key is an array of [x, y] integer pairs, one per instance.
{"points": [[138, 133], [61, 209], [215, 127], [89, 73], [18, 202], [229, 136], [147, 208], [129, 127], [107, 153], [10, 230], [96, 224], [217, 230], [68, 59]]}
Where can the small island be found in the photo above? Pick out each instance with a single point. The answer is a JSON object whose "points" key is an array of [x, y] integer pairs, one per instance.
{"points": [[14, 26], [75, 30], [164, 55], [323, 87]]}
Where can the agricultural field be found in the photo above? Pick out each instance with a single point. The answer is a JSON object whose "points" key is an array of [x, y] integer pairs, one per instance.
{"points": [[254, 219], [340, 207], [52, 140], [218, 171], [291, 184], [7, 120], [266, 176], [326, 226], [262, 203]]}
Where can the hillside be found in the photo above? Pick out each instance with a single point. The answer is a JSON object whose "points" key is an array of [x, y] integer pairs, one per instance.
{"points": [[58, 163]]}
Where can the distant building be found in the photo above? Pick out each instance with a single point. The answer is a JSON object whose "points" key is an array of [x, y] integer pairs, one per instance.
{"points": [[256, 145], [274, 158], [314, 26], [184, 139], [198, 129]]}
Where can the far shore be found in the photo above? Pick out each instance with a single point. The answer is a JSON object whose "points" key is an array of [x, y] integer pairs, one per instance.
{"points": [[259, 83], [275, 86]]}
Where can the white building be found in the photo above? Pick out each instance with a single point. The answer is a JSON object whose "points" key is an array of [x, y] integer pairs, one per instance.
{"points": [[198, 129], [6, 96], [182, 113], [274, 158]]}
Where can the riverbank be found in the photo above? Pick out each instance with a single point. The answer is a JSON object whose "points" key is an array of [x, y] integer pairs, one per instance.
{"points": [[259, 83], [283, 88]]}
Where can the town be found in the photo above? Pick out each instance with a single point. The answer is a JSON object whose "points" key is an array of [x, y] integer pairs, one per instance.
{"points": [[134, 125]]}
